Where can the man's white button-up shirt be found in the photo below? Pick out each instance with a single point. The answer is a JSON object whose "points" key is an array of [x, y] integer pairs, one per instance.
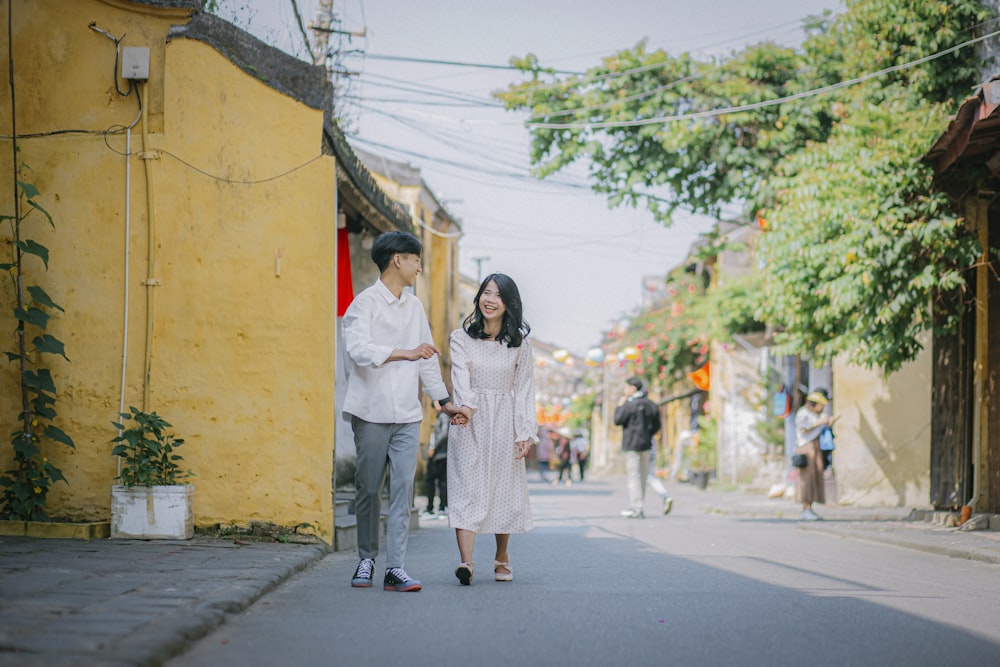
{"points": [[375, 324]]}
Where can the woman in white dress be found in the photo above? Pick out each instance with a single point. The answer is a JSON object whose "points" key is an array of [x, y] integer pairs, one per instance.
{"points": [[492, 378]]}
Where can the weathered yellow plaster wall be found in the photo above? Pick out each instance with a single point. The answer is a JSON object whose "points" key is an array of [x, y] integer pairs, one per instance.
{"points": [[243, 359], [883, 435], [62, 80]]}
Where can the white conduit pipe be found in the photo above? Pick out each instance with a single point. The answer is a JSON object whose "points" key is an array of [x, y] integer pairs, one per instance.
{"points": [[128, 236]]}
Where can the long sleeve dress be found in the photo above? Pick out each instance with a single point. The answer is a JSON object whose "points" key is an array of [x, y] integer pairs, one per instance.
{"points": [[487, 486], [810, 488]]}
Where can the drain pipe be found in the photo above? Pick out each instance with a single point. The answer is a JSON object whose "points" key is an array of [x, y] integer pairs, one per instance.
{"points": [[147, 156]]}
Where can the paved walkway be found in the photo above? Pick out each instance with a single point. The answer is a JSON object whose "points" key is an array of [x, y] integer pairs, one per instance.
{"points": [[131, 602]]}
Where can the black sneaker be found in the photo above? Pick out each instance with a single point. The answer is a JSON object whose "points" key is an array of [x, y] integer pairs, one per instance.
{"points": [[396, 579], [363, 575]]}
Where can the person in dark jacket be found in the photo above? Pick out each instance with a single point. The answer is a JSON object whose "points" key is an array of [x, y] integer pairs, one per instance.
{"points": [[436, 474], [639, 418]]}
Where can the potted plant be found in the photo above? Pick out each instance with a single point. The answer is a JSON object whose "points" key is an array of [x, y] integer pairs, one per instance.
{"points": [[153, 500]]}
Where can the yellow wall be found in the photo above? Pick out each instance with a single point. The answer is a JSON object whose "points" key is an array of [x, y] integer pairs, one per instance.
{"points": [[243, 360], [883, 434]]}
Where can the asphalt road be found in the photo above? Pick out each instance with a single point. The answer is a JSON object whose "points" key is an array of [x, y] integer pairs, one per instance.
{"points": [[593, 588]]}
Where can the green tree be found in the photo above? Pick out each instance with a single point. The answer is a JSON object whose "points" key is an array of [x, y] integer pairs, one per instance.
{"points": [[858, 248]]}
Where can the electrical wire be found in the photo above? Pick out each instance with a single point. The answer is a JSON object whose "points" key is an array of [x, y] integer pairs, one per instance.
{"points": [[457, 142], [758, 105], [354, 99], [630, 98], [118, 53], [393, 83], [466, 166], [238, 181], [455, 63]]}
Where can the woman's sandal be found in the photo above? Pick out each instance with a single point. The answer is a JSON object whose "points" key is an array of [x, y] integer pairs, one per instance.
{"points": [[464, 573], [500, 575]]}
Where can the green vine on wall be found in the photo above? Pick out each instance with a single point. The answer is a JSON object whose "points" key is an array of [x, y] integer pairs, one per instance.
{"points": [[25, 487]]}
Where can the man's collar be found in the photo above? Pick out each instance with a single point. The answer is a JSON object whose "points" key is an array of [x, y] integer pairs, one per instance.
{"points": [[387, 293]]}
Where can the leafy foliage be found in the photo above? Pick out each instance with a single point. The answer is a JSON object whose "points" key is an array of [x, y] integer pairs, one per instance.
{"points": [[846, 273], [858, 247], [147, 451], [581, 409], [24, 488], [704, 454]]}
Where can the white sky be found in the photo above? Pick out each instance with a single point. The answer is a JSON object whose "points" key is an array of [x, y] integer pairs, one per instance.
{"points": [[578, 264]]}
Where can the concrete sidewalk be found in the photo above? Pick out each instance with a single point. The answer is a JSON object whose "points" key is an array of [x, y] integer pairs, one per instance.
{"points": [[898, 526], [128, 602], [131, 602]]}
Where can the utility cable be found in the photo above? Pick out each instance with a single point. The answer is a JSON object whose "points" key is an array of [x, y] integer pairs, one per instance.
{"points": [[758, 105], [237, 181], [455, 63]]}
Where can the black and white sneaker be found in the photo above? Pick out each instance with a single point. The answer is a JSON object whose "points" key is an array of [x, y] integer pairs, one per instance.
{"points": [[396, 579], [363, 575]]}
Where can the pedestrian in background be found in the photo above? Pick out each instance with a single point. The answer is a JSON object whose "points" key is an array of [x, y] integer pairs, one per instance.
{"points": [[436, 475], [639, 418], [809, 423], [544, 453], [390, 354], [493, 378], [564, 455], [581, 451]]}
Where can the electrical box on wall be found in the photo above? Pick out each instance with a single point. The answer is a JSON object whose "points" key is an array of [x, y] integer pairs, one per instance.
{"points": [[135, 62]]}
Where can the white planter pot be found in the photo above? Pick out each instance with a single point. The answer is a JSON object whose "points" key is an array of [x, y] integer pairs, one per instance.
{"points": [[152, 512]]}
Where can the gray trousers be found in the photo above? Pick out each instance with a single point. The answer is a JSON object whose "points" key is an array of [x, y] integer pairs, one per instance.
{"points": [[384, 447], [636, 471]]}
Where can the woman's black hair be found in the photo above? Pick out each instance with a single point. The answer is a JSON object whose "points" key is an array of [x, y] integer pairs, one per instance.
{"points": [[394, 243], [513, 329]]}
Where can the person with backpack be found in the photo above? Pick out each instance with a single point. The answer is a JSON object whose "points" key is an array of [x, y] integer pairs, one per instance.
{"points": [[810, 420], [639, 418]]}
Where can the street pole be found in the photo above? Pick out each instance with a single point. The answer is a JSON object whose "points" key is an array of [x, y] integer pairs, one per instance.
{"points": [[479, 268]]}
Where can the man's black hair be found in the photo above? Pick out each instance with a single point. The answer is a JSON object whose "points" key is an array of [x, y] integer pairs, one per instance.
{"points": [[393, 243], [637, 383]]}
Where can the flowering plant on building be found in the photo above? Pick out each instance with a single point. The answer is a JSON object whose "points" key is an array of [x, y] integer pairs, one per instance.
{"points": [[672, 338]]}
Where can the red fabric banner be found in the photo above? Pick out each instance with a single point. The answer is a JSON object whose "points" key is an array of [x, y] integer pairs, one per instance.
{"points": [[345, 286]]}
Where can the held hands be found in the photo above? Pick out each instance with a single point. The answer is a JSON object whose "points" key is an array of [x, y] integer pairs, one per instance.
{"points": [[522, 448], [459, 415]]}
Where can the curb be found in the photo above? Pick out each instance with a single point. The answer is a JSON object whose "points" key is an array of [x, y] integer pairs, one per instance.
{"points": [[965, 552], [171, 634], [56, 530]]}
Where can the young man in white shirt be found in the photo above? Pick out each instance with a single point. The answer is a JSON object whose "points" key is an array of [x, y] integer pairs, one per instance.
{"points": [[390, 352]]}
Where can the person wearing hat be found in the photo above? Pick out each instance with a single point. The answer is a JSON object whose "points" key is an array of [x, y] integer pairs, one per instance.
{"points": [[809, 422], [639, 418]]}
